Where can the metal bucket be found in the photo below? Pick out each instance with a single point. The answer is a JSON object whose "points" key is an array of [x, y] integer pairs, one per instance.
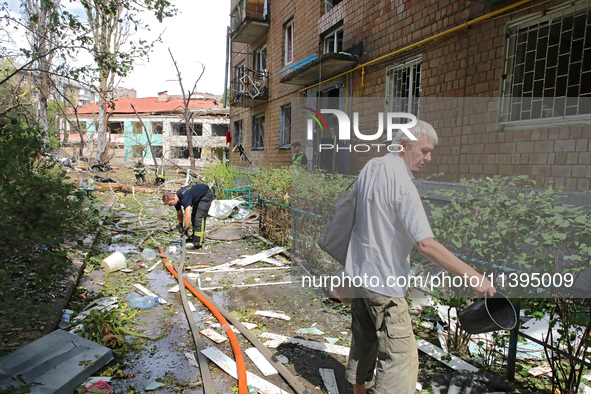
{"points": [[488, 314]]}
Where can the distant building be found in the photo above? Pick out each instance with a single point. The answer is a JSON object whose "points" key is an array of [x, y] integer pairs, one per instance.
{"points": [[163, 117], [124, 93]]}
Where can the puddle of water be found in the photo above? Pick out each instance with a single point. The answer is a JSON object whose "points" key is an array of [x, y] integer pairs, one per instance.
{"points": [[119, 236], [123, 248]]}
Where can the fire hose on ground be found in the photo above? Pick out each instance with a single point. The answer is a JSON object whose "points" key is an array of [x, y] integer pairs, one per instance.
{"points": [[221, 315]]}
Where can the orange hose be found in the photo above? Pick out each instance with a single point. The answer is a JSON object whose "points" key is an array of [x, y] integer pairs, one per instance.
{"points": [[240, 366]]}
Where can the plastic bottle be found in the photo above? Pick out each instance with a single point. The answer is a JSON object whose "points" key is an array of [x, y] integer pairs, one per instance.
{"points": [[148, 254], [137, 301]]}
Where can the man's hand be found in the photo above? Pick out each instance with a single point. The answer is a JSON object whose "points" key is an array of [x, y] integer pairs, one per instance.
{"points": [[182, 229], [485, 289]]}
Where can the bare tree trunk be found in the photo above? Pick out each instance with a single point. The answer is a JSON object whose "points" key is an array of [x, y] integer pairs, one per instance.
{"points": [[101, 139], [187, 115]]}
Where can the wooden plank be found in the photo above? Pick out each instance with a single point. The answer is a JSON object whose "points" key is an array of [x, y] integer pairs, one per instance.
{"points": [[229, 366], [275, 315], [249, 259], [438, 353], [330, 381], [324, 347], [260, 361], [275, 262], [214, 335], [149, 293]]}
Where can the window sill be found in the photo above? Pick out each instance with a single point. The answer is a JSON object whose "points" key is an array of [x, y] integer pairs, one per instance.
{"points": [[546, 122], [284, 147], [257, 148]]}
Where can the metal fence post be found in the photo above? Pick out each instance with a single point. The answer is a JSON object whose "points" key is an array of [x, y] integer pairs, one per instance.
{"points": [[512, 352]]}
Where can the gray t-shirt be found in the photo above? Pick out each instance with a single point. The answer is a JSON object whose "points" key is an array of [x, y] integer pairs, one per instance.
{"points": [[390, 219]]}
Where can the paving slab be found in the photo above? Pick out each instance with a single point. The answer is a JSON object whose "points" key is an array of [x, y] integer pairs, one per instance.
{"points": [[56, 363]]}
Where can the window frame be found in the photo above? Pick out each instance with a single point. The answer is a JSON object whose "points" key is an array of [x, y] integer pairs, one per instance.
{"points": [[238, 132], [334, 35], [260, 60], [289, 44], [240, 72], [258, 132], [330, 4], [284, 134]]}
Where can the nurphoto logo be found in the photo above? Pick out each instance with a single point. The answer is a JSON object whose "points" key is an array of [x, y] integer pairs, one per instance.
{"points": [[391, 119]]}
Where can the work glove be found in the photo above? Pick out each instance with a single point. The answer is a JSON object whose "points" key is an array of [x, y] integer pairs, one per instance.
{"points": [[181, 229]]}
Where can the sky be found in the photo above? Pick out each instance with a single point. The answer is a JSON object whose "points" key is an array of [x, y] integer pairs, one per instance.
{"points": [[196, 36]]}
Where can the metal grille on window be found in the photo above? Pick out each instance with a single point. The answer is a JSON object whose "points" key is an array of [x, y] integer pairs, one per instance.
{"points": [[548, 66], [404, 87]]}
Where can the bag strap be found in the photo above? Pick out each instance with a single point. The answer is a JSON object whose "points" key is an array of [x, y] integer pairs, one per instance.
{"points": [[354, 180]]}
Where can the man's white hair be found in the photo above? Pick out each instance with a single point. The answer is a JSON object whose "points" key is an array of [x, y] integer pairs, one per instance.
{"points": [[421, 128]]}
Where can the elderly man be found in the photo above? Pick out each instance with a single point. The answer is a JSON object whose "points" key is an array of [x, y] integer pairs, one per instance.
{"points": [[390, 219], [192, 204]]}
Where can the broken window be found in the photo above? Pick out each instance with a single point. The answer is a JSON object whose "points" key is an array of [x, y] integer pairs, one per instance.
{"points": [[260, 60], [258, 132], [238, 133], [219, 130], [329, 4], [285, 126], [239, 75], [137, 128], [333, 42], [403, 87], [548, 65], [157, 128], [289, 42], [157, 151], [137, 151], [181, 152], [181, 129], [115, 127]]}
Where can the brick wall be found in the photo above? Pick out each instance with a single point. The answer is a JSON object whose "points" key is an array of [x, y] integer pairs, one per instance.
{"points": [[466, 64]]}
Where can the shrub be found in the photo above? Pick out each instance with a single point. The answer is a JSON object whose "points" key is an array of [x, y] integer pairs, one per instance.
{"points": [[505, 221]]}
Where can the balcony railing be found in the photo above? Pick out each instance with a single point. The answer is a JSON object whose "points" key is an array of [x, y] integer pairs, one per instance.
{"points": [[249, 90], [249, 20]]}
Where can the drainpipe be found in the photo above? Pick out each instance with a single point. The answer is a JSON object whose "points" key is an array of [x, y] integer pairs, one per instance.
{"points": [[425, 41], [228, 44]]}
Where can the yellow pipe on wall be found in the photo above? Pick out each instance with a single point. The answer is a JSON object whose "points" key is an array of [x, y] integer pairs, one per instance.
{"points": [[420, 43]]}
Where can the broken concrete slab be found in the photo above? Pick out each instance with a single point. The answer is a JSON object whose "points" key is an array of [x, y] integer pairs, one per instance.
{"points": [[56, 363]]}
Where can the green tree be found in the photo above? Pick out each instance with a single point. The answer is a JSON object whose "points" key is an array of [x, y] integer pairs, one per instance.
{"points": [[110, 25]]}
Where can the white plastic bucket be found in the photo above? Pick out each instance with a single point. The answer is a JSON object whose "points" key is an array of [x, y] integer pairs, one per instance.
{"points": [[114, 262]]}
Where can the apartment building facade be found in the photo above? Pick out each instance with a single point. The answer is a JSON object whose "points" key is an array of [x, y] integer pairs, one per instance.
{"points": [[507, 85], [154, 128]]}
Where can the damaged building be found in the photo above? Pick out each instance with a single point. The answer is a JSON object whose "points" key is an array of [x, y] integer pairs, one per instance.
{"points": [[165, 129]]}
